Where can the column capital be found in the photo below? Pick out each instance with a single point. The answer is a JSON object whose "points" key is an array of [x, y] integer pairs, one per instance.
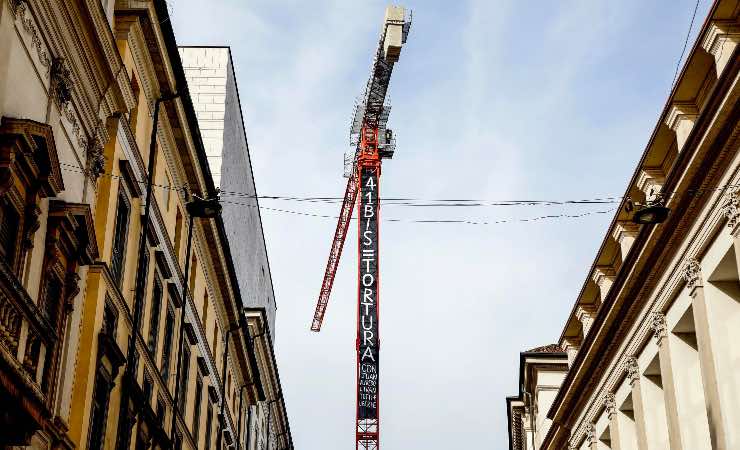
{"points": [[657, 323], [692, 274], [610, 404], [731, 209], [632, 369]]}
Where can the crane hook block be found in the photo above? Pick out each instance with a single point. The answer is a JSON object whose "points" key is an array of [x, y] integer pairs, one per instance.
{"points": [[394, 30]]}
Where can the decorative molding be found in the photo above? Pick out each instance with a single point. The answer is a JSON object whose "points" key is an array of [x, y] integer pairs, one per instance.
{"points": [[632, 369], [731, 208], [61, 82], [610, 404], [590, 431], [681, 111], [658, 325], [625, 229], [692, 274], [19, 8]]}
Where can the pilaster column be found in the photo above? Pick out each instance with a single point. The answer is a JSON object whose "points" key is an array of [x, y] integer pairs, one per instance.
{"points": [[660, 333], [721, 39], [603, 276], [650, 181], [625, 233], [586, 314], [633, 374], [681, 119], [591, 437], [694, 283], [610, 405]]}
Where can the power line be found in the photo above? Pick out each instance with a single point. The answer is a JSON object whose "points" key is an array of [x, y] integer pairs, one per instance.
{"points": [[685, 43], [427, 203], [396, 201]]}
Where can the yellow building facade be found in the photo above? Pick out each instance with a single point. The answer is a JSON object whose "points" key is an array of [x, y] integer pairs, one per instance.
{"points": [[79, 81]]}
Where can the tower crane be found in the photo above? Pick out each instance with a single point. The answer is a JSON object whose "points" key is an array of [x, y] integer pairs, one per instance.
{"points": [[371, 141]]}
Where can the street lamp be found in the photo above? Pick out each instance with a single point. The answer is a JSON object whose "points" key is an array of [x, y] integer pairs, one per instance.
{"points": [[652, 213], [203, 208]]}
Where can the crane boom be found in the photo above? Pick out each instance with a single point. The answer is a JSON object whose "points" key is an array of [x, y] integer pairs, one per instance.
{"points": [[371, 111], [345, 216]]}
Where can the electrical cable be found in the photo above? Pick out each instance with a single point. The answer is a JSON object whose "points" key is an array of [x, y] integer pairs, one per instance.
{"points": [[686, 43], [437, 202]]}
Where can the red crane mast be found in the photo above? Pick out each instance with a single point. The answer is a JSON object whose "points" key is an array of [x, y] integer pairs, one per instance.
{"points": [[371, 142]]}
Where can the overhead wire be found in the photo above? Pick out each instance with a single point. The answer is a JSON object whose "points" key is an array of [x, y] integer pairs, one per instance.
{"points": [[410, 202], [685, 43]]}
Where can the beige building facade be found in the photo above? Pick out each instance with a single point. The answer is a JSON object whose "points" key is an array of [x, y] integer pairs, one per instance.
{"points": [[79, 81], [648, 357]]}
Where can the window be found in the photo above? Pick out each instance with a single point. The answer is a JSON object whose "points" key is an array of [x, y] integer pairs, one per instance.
{"points": [[154, 316], [52, 293], [148, 388], [144, 272], [196, 411], [205, 310], [99, 413], [209, 424], [178, 233], [119, 237], [161, 408], [8, 232], [193, 271], [167, 192], [215, 340], [135, 110], [183, 385], [169, 324], [110, 319]]}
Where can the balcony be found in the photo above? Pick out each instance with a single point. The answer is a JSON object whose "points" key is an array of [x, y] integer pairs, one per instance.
{"points": [[26, 338]]}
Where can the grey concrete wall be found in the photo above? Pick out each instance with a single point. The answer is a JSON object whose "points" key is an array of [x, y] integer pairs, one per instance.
{"points": [[243, 223], [211, 81]]}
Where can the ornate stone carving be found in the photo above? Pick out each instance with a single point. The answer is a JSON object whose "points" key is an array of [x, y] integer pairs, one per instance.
{"points": [[61, 82], [731, 207], [95, 159], [610, 404], [590, 431], [633, 370], [19, 8], [657, 323], [692, 274]]}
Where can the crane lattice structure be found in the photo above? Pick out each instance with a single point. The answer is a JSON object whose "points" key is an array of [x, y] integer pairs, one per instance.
{"points": [[371, 142]]}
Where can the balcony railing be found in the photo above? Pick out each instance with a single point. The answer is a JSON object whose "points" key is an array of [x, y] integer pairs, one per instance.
{"points": [[25, 335]]}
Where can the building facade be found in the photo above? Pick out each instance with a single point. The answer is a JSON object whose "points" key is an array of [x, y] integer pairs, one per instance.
{"points": [[213, 88], [113, 334], [647, 358]]}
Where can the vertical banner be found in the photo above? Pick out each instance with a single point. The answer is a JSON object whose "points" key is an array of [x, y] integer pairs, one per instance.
{"points": [[367, 321]]}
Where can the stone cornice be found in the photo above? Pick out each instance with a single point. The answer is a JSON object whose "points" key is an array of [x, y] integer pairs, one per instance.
{"points": [[680, 111], [718, 32]]}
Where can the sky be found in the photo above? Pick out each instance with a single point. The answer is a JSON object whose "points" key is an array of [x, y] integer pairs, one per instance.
{"points": [[492, 100]]}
